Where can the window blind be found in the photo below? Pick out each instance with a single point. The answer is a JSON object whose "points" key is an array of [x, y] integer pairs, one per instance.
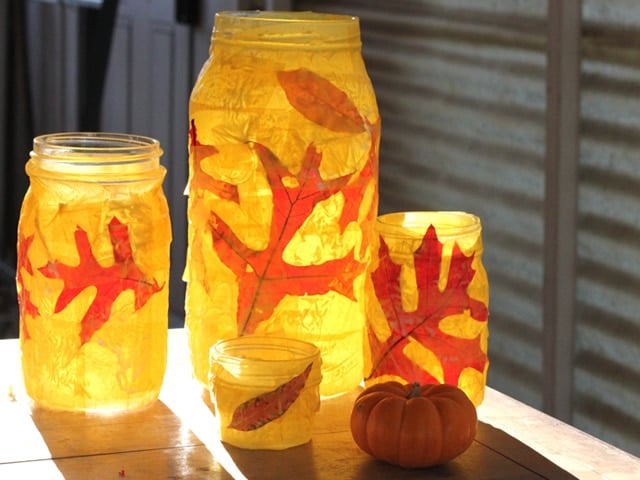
{"points": [[461, 87], [461, 91]]}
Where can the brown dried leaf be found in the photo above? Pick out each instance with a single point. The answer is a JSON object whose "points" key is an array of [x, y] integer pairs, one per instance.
{"points": [[321, 101]]}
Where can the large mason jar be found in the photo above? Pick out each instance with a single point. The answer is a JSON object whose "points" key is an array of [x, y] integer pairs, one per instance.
{"points": [[283, 187], [93, 271]]}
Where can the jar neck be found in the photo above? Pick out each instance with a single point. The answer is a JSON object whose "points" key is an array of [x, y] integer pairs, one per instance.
{"points": [[282, 30], [96, 156]]}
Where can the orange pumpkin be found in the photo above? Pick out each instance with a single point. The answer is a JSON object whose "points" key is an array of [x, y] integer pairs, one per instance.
{"points": [[413, 425]]}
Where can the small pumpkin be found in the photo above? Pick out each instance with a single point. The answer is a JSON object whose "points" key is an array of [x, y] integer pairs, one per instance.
{"points": [[413, 425]]}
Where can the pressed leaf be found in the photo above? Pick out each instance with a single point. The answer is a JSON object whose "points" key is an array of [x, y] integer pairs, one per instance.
{"points": [[321, 101], [201, 179], [109, 282], [264, 278], [24, 296], [353, 195], [422, 325], [258, 411]]}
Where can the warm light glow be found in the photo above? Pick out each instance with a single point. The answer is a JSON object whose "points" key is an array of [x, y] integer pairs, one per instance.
{"points": [[18, 435], [93, 272], [265, 391], [427, 302], [196, 419], [282, 189]]}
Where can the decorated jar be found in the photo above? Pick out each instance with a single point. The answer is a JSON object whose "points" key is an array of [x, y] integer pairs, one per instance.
{"points": [[283, 188], [265, 390], [93, 271], [428, 302]]}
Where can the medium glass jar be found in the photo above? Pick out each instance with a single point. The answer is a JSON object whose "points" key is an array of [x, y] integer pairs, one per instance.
{"points": [[428, 302], [283, 187], [265, 390], [93, 271]]}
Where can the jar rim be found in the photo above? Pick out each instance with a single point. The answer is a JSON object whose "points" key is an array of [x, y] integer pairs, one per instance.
{"points": [[447, 223], [280, 16], [230, 349], [286, 29], [96, 156], [71, 144]]}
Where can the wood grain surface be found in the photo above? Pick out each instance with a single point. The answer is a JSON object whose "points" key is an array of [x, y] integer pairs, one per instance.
{"points": [[176, 438]]}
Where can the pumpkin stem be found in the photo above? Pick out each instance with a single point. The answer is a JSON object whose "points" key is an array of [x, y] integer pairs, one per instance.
{"points": [[415, 390]]}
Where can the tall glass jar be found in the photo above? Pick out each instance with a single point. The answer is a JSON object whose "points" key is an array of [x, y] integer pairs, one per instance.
{"points": [[93, 271], [428, 302], [283, 187]]}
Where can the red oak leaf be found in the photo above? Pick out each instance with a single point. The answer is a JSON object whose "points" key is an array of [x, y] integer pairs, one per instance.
{"points": [[423, 324], [24, 296], [201, 179], [353, 194], [320, 101], [258, 411], [264, 278], [109, 282]]}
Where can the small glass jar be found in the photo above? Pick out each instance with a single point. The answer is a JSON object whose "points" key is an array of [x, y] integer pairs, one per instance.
{"points": [[427, 302], [93, 271], [265, 390]]}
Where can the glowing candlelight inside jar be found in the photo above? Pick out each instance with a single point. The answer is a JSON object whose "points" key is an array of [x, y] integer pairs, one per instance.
{"points": [[265, 390], [93, 266], [283, 157], [427, 302]]}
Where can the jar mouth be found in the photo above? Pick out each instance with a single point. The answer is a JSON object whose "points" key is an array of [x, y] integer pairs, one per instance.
{"points": [[78, 144], [84, 154], [447, 223], [287, 16], [264, 349], [282, 29]]}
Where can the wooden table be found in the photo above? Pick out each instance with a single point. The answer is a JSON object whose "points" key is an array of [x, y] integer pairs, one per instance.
{"points": [[176, 439]]}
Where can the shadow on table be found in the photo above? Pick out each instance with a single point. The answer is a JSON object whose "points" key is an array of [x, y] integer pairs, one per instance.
{"points": [[156, 443], [494, 455], [331, 455], [137, 444]]}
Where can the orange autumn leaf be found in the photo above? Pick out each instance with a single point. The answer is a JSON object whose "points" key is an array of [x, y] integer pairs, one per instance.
{"points": [[264, 278], [201, 179], [24, 296], [321, 101], [423, 324], [109, 282], [353, 195], [266, 407]]}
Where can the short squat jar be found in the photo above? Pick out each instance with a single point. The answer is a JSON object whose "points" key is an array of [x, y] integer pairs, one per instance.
{"points": [[265, 390], [93, 270]]}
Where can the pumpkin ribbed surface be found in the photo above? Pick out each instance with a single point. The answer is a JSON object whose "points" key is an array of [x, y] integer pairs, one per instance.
{"points": [[413, 425]]}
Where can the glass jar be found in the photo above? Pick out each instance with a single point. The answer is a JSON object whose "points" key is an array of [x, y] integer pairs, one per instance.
{"points": [[427, 302], [283, 188], [93, 271], [265, 390]]}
